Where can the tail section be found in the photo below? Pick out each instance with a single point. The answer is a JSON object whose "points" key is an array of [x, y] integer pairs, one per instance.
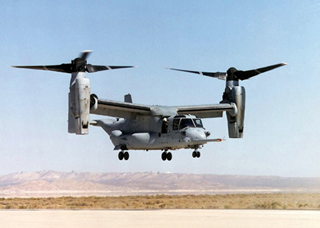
{"points": [[128, 98]]}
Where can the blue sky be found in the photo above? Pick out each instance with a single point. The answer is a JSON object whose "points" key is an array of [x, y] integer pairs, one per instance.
{"points": [[281, 124]]}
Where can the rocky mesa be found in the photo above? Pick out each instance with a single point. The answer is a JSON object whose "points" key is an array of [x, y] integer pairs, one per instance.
{"points": [[54, 184]]}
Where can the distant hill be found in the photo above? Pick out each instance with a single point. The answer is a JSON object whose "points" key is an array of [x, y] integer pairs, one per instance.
{"points": [[52, 183]]}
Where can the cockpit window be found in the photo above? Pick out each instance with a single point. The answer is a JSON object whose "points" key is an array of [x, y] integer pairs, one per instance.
{"points": [[175, 124], [182, 122], [198, 122], [186, 123]]}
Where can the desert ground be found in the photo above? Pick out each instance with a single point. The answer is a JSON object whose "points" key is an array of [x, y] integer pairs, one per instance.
{"points": [[159, 218]]}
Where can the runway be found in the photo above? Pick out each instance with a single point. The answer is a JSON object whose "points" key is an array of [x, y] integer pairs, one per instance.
{"points": [[159, 218]]}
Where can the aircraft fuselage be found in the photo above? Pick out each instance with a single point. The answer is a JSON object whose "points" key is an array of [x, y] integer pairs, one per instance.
{"points": [[154, 133]]}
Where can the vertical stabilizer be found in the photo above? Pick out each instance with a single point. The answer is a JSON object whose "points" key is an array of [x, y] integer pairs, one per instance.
{"points": [[128, 98]]}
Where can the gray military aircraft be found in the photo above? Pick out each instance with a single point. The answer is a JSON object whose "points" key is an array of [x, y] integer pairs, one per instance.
{"points": [[152, 127]]}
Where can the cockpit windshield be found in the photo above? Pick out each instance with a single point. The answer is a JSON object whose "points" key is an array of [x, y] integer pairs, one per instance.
{"points": [[180, 123], [186, 123]]}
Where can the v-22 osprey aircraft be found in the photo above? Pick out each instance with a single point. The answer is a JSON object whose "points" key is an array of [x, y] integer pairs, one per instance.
{"points": [[152, 127]]}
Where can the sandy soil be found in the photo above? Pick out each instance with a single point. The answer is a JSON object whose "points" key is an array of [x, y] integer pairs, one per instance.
{"points": [[158, 218]]}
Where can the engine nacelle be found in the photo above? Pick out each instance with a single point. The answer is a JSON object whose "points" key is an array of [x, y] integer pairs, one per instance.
{"points": [[79, 106], [236, 95]]}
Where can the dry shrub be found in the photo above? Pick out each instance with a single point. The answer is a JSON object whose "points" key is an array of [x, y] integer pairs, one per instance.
{"points": [[229, 201]]}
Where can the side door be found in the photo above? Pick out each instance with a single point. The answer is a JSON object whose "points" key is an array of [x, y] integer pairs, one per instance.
{"points": [[165, 131]]}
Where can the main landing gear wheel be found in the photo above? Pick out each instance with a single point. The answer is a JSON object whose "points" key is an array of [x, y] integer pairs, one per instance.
{"points": [[166, 156], [123, 155], [196, 154]]}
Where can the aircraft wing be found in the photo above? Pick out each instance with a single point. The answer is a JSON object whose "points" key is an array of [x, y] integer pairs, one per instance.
{"points": [[131, 110], [206, 111], [120, 109]]}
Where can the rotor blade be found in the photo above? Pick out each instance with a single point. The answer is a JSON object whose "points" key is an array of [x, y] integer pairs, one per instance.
{"points": [[219, 75], [94, 68], [243, 75], [64, 68], [85, 54]]}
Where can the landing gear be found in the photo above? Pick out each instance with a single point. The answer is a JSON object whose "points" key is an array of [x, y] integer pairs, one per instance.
{"points": [[166, 156], [123, 155], [196, 154]]}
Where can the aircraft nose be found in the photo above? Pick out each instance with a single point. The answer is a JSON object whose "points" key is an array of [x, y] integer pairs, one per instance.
{"points": [[196, 134]]}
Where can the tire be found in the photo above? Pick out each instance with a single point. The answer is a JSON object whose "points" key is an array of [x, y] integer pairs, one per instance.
{"points": [[169, 156], [126, 156], [164, 156], [198, 154], [194, 154], [120, 156]]}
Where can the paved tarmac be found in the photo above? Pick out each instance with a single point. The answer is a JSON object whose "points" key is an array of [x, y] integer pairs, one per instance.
{"points": [[159, 218]]}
